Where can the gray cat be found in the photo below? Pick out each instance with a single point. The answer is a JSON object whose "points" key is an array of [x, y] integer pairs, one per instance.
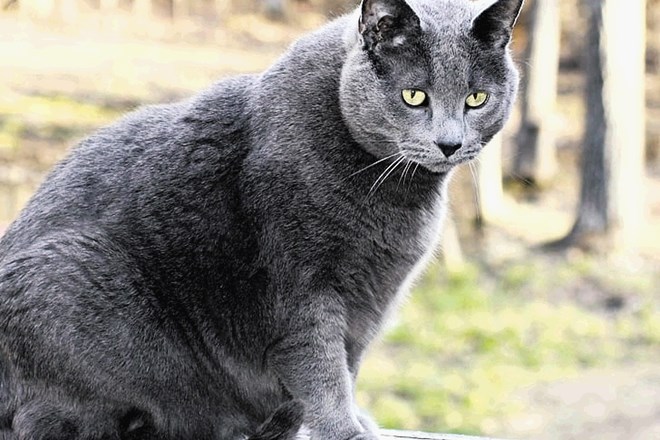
{"points": [[216, 268]]}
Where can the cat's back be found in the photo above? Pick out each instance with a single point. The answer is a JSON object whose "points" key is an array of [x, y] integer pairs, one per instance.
{"points": [[154, 161]]}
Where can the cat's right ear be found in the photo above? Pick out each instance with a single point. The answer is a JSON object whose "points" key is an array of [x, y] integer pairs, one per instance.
{"points": [[494, 25], [387, 24]]}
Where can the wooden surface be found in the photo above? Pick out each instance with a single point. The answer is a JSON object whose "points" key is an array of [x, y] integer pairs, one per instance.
{"points": [[387, 434]]}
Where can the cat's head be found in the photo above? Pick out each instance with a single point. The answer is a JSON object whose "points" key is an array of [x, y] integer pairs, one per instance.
{"points": [[431, 80]]}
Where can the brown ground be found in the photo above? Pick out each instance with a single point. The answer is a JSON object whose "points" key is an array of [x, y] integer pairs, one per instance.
{"points": [[612, 404]]}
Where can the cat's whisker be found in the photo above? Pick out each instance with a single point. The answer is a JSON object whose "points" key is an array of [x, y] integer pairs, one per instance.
{"points": [[375, 163], [385, 174], [399, 162], [403, 173], [380, 176], [412, 177]]}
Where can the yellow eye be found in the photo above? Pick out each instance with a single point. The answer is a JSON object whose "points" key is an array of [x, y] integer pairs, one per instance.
{"points": [[413, 97], [476, 99]]}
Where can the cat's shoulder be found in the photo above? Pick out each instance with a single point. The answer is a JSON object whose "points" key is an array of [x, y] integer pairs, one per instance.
{"points": [[216, 113], [222, 102]]}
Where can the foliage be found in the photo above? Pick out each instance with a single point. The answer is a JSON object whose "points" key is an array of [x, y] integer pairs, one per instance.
{"points": [[53, 119], [466, 343]]}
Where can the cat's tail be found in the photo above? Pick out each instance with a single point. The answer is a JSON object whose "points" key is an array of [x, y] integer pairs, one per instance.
{"points": [[284, 424]]}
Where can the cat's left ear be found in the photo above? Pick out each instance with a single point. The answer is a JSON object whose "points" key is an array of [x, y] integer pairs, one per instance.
{"points": [[387, 24], [494, 24]]}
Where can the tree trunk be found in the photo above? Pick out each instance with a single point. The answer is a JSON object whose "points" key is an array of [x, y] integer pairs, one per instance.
{"points": [[8, 4], [108, 6], [142, 10], [179, 9], [221, 9], [69, 11], [535, 161], [41, 9], [624, 97], [452, 253], [489, 181], [612, 173]]}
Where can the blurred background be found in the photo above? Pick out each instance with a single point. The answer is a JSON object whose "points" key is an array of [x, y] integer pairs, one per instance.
{"points": [[541, 317]]}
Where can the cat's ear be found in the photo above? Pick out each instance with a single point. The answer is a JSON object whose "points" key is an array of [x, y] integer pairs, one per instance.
{"points": [[494, 24], [387, 24]]}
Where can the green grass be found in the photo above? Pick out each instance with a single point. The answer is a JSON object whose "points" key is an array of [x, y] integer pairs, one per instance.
{"points": [[56, 120], [467, 342], [35, 132], [59, 110]]}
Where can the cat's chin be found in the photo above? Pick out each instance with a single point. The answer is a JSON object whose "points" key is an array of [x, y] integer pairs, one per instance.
{"points": [[444, 166], [437, 163]]}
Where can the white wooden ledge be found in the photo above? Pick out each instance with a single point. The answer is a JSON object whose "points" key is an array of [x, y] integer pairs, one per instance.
{"points": [[388, 434]]}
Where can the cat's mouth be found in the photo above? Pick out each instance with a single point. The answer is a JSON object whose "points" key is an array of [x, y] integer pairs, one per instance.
{"points": [[437, 163]]}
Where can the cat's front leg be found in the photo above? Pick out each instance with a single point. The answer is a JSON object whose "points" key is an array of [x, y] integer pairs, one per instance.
{"points": [[355, 350], [310, 361]]}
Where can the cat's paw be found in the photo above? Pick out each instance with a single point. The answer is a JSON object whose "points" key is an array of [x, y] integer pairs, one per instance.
{"points": [[366, 421]]}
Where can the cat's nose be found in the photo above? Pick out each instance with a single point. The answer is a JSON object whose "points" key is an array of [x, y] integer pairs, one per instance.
{"points": [[448, 149]]}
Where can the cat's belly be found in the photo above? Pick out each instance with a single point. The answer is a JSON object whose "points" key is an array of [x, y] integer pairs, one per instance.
{"points": [[118, 352]]}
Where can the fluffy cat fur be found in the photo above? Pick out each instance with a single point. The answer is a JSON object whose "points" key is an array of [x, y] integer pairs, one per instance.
{"points": [[216, 268]]}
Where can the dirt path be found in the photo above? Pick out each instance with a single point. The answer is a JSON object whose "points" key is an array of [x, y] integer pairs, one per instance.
{"points": [[619, 404]]}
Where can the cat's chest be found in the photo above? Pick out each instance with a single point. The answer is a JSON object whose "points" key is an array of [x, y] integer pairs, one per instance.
{"points": [[383, 259], [406, 234], [392, 247]]}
